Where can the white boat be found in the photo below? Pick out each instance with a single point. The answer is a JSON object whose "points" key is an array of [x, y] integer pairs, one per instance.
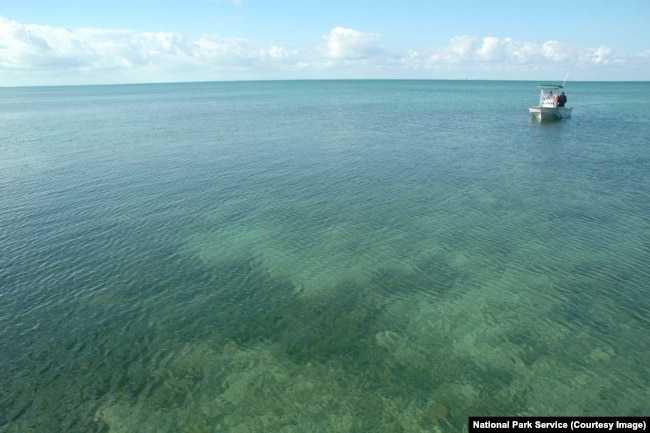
{"points": [[551, 105]]}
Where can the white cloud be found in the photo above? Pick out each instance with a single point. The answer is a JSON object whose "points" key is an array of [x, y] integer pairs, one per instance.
{"points": [[523, 52], [459, 49], [482, 53], [556, 51], [33, 48], [38, 54], [350, 44], [602, 55], [493, 49]]}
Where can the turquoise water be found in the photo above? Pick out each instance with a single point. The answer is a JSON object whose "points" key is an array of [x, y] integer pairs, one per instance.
{"points": [[320, 256]]}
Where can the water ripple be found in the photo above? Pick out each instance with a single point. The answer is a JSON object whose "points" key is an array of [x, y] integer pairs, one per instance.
{"points": [[318, 256]]}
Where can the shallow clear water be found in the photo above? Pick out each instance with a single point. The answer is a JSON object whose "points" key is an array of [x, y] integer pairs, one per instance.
{"points": [[320, 256]]}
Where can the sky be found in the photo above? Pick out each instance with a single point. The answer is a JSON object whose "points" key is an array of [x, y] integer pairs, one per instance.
{"points": [[60, 42]]}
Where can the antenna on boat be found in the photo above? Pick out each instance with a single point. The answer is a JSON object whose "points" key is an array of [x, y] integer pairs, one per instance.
{"points": [[565, 77]]}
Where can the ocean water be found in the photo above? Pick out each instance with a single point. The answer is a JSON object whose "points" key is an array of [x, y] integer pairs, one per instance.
{"points": [[320, 256]]}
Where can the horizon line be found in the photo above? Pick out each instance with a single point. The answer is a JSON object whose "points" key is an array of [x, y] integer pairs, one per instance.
{"points": [[144, 83]]}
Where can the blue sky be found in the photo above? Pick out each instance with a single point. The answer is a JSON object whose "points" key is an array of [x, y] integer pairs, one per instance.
{"points": [[50, 42]]}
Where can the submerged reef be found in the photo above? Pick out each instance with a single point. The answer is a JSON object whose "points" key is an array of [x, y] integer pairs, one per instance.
{"points": [[231, 347]]}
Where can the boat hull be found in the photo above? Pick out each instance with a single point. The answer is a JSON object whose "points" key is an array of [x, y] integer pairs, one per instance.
{"points": [[550, 113]]}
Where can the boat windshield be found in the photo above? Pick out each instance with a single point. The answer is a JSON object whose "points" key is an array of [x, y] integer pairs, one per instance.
{"points": [[549, 95]]}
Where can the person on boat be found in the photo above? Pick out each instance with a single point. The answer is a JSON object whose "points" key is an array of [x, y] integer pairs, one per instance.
{"points": [[562, 100]]}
